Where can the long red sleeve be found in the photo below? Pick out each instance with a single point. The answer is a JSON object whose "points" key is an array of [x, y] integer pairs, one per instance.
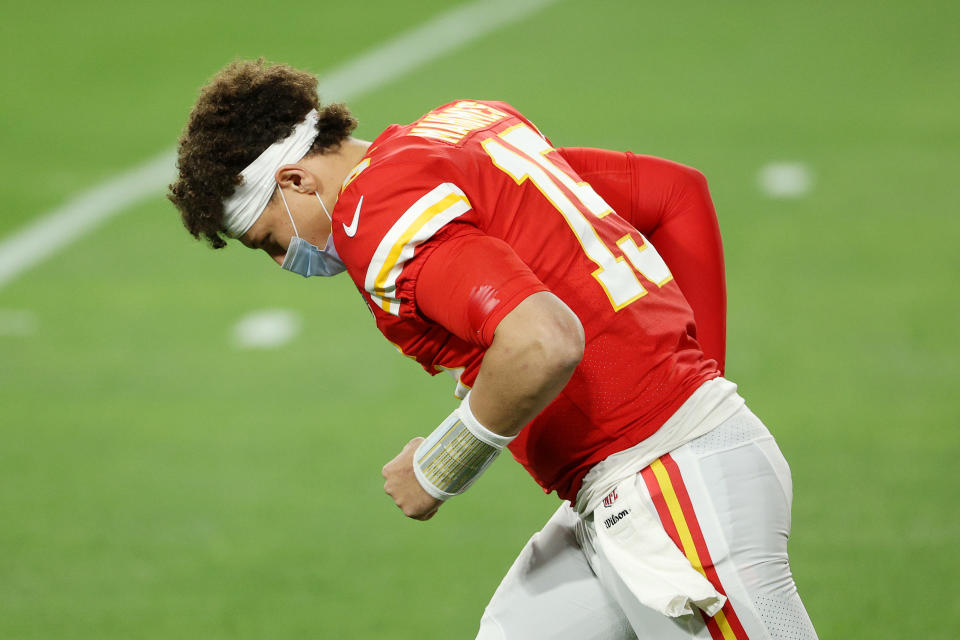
{"points": [[670, 204]]}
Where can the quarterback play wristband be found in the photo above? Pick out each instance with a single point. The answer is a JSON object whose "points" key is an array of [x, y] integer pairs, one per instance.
{"points": [[456, 453]]}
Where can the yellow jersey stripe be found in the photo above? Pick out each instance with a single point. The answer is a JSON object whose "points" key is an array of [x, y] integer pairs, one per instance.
{"points": [[381, 282], [417, 225]]}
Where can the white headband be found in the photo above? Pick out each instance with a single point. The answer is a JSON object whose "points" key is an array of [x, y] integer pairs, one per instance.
{"points": [[249, 200]]}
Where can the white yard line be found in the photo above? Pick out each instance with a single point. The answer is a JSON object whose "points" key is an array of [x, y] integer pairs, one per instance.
{"points": [[54, 230]]}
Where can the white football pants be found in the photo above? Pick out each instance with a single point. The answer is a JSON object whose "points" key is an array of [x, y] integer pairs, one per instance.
{"points": [[724, 499]]}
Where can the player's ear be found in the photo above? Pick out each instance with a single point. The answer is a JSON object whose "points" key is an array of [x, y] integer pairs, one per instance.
{"points": [[295, 177]]}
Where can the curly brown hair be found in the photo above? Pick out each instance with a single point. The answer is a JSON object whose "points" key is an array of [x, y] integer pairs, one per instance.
{"points": [[245, 108]]}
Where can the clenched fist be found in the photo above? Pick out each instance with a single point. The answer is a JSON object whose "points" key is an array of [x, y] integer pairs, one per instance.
{"points": [[401, 484]]}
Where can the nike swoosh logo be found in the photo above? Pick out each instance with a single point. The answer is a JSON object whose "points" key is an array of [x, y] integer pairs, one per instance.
{"points": [[352, 229]]}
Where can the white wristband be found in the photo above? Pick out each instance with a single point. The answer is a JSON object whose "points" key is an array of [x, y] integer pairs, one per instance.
{"points": [[456, 453]]}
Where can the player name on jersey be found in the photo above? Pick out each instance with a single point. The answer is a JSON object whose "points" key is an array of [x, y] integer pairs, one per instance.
{"points": [[452, 124]]}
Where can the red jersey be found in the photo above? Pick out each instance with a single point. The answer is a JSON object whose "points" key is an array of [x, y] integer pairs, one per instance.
{"points": [[474, 169]]}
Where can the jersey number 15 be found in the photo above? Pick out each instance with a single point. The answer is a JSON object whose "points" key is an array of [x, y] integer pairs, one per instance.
{"points": [[524, 156]]}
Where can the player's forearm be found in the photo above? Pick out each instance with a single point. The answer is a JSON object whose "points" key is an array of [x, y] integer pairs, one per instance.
{"points": [[535, 349], [688, 239], [671, 205], [534, 352]]}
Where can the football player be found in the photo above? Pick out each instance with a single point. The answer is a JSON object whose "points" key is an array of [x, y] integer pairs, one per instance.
{"points": [[577, 296]]}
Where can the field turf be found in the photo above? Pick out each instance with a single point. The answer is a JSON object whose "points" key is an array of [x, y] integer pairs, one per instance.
{"points": [[157, 482]]}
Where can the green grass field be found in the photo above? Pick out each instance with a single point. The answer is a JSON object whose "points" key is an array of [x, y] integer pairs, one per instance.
{"points": [[157, 482]]}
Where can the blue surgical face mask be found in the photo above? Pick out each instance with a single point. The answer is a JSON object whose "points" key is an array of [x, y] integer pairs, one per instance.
{"points": [[305, 258]]}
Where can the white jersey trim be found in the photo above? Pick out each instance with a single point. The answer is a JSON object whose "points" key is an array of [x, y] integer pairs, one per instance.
{"points": [[418, 224]]}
